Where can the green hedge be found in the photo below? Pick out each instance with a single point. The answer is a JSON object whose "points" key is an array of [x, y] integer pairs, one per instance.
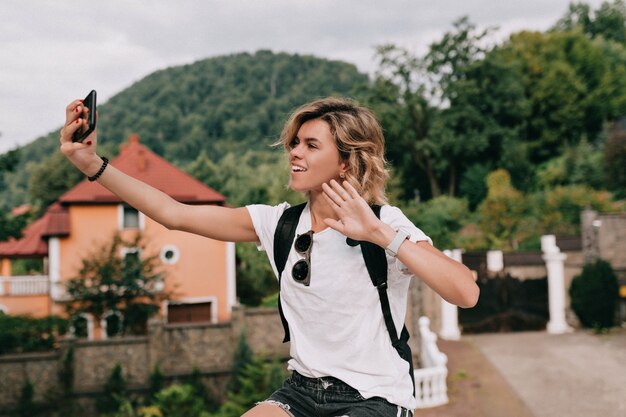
{"points": [[26, 334], [594, 295]]}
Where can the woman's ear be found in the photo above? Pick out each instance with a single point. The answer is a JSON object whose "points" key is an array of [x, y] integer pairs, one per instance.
{"points": [[343, 167]]}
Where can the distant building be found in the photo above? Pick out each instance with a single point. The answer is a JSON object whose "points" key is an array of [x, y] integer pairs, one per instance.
{"points": [[201, 271]]}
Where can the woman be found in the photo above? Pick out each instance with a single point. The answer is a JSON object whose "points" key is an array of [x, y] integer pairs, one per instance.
{"points": [[342, 359]]}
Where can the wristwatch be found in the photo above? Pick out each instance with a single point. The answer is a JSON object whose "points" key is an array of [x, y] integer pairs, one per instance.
{"points": [[398, 240]]}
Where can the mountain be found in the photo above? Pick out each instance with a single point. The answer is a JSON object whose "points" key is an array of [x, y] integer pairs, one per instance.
{"points": [[218, 105]]}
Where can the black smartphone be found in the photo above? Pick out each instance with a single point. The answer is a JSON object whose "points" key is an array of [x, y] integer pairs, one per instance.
{"points": [[83, 132]]}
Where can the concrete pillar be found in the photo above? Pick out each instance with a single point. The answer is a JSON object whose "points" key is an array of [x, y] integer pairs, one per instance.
{"points": [[495, 261], [231, 276], [450, 312], [556, 284], [57, 291]]}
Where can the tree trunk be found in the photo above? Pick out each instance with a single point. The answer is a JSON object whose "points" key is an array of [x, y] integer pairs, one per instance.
{"points": [[452, 181]]}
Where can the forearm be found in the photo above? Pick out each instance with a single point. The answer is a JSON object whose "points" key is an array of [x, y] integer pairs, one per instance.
{"points": [[152, 202], [450, 279]]}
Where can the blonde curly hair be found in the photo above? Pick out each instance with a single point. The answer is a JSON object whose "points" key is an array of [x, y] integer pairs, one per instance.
{"points": [[359, 139]]}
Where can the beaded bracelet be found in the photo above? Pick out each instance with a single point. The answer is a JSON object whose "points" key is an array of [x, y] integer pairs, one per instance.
{"points": [[105, 162]]}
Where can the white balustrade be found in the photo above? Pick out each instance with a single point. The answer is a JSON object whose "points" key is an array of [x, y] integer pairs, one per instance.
{"points": [[430, 380], [25, 285]]}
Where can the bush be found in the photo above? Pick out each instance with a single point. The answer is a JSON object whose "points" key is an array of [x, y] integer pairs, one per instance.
{"points": [[594, 295], [180, 401], [26, 406], [115, 392], [26, 334], [156, 383]]}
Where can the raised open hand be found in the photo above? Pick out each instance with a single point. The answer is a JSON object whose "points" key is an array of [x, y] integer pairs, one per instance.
{"points": [[356, 219]]}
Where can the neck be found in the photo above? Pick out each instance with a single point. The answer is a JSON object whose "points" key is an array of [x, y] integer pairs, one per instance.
{"points": [[320, 210]]}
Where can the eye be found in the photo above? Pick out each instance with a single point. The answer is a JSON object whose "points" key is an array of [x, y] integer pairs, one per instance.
{"points": [[294, 142], [312, 145]]}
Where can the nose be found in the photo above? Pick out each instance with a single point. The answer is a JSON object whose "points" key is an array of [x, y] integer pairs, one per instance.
{"points": [[296, 151]]}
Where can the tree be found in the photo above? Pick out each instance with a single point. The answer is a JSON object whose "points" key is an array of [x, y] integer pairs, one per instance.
{"points": [[8, 163], [180, 401], [256, 381], [442, 218], [579, 164], [106, 282], [241, 358], [615, 162], [51, 178], [114, 393], [502, 212], [155, 384], [424, 104], [26, 406], [607, 21], [12, 226], [62, 394], [398, 97], [200, 390], [558, 209]]}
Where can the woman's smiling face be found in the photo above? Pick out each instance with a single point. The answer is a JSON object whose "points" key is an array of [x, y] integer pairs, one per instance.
{"points": [[314, 157]]}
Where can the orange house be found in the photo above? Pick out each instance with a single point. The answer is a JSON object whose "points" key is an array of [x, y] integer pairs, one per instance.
{"points": [[199, 272]]}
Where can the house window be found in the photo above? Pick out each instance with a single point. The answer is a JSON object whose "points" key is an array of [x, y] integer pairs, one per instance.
{"points": [[80, 326], [189, 312], [112, 323], [131, 259], [130, 218]]}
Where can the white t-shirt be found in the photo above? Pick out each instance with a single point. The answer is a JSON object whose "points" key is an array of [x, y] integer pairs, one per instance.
{"points": [[336, 324]]}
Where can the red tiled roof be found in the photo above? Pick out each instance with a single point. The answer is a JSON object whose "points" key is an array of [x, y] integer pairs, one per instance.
{"points": [[139, 162], [57, 221], [54, 223]]}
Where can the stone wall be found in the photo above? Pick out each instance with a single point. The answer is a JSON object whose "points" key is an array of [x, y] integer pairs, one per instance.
{"points": [[177, 349], [40, 368]]}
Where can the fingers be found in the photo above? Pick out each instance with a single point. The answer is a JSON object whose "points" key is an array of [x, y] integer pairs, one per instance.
{"points": [[73, 111], [332, 194], [69, 129], [351, 190], [330, 200], [335, 224], [75, 119]]}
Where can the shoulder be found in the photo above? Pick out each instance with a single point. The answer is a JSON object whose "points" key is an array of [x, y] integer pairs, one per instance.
{"points": [[266, 216], [395, 218]]}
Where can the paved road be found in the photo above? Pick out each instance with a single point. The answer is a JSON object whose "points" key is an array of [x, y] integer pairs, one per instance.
{"points": [[578, 374]]}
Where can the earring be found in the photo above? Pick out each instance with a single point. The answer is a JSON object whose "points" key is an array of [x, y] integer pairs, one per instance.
{"points": [[343, 177]]}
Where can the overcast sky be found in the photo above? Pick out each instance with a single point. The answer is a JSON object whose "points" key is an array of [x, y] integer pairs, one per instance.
{"points": [[52, 52]]}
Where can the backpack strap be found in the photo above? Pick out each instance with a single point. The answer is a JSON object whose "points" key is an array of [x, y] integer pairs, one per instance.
{"points": [[376, 264], [283, 240]]}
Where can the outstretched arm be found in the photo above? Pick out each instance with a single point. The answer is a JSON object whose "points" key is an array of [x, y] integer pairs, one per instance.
{"points": [[449, 278], [215, 222]]}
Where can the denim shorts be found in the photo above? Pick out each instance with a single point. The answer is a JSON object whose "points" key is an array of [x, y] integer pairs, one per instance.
{"points": [[329, 397]]}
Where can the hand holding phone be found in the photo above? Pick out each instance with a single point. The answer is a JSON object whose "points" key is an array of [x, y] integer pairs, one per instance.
{"points": [[90, 103]]}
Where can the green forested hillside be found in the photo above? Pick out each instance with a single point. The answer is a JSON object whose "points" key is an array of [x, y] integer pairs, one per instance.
{"points": [[232, 103]]}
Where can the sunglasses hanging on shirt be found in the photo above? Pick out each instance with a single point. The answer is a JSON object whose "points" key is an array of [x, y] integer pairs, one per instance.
{"points": [[301, 271]]}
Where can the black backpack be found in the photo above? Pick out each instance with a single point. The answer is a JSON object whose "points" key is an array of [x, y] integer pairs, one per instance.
{"points": [[375, 261]]}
